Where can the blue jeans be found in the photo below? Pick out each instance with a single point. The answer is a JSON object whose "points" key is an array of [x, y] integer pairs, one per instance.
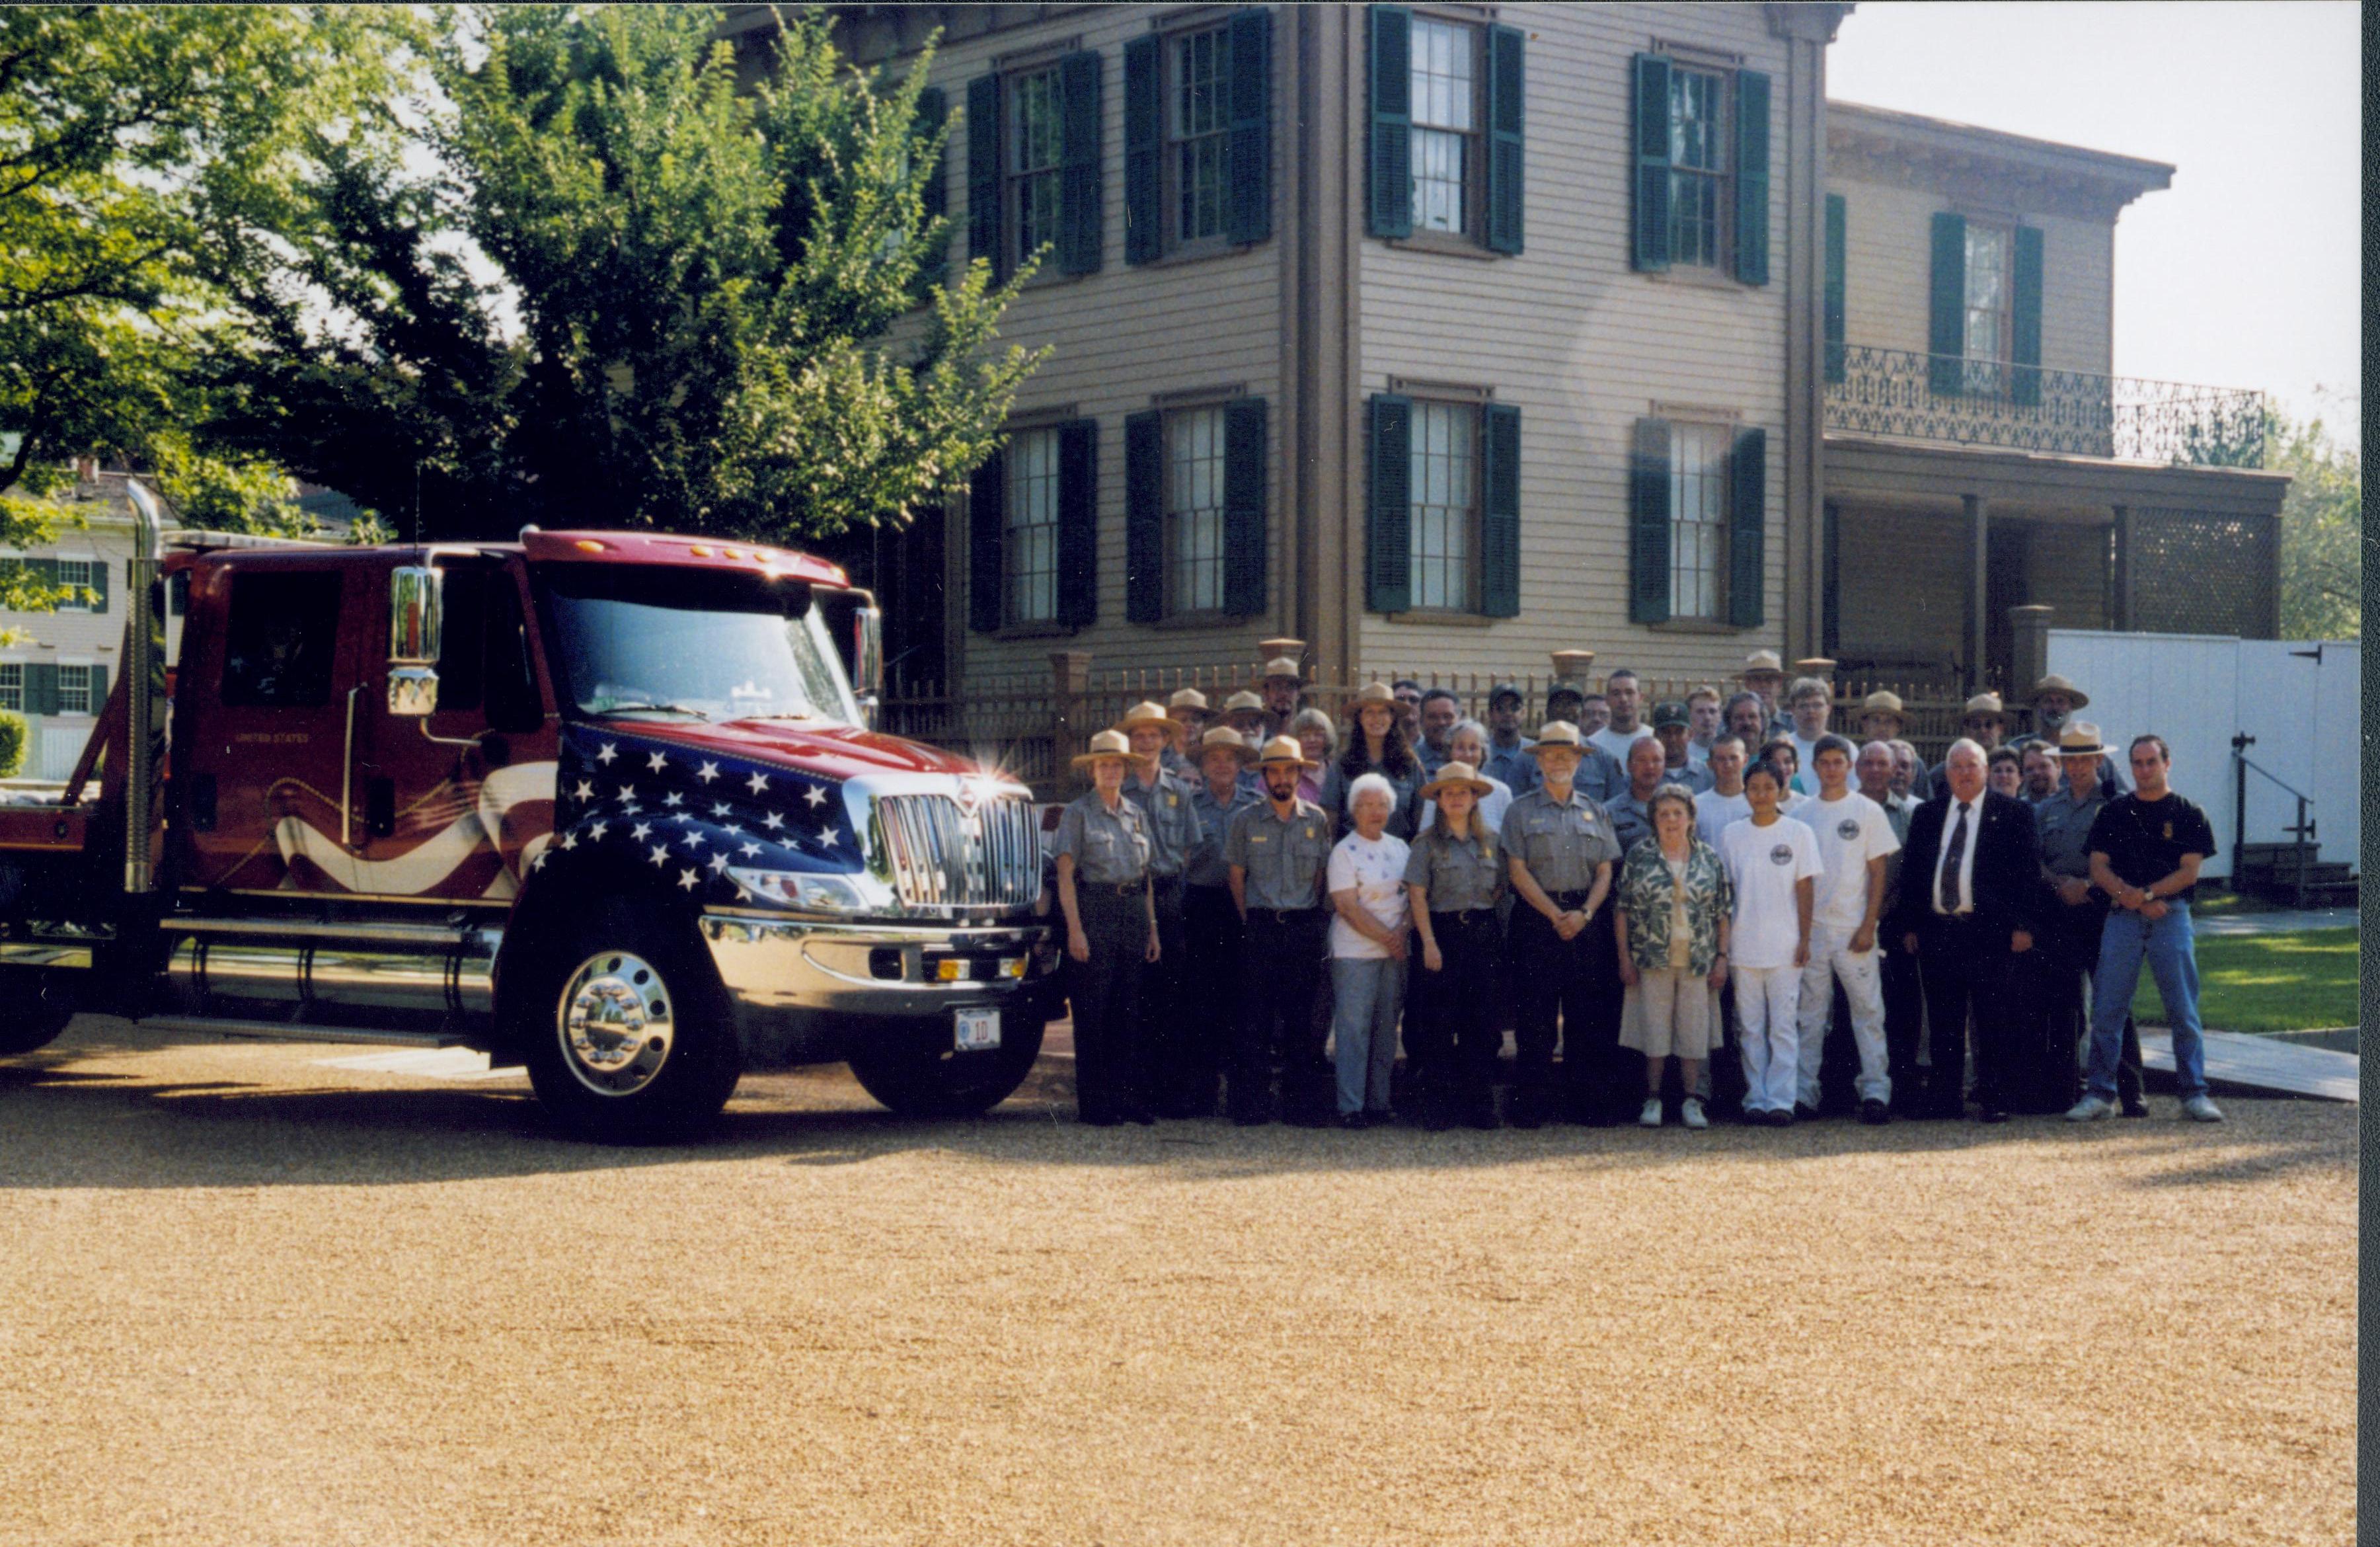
{"points": [[1367, 993], [2173, 961]]}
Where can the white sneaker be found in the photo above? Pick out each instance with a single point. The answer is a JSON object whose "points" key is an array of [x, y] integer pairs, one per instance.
{"points": [[2198, 1109], [2090, 1109], [1692, 1114], [1651, 1117]]}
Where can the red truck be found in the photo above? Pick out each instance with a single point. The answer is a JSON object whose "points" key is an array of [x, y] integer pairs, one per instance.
{"points": [[605, 805]]}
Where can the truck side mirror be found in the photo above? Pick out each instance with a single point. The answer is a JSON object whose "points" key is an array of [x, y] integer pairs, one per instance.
{"points": [[868, 652], [416, 615]]}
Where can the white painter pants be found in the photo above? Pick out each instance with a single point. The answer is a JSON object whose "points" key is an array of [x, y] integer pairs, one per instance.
{"points": [[1765, 1005], [1832, 960]]}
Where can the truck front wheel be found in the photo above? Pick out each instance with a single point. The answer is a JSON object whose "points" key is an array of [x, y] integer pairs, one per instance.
{"points": [[625, 1029], [35, 1005], [923, 1078]]}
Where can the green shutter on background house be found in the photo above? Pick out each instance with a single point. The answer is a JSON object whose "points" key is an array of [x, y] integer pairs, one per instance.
{"points": [[1081, 212], [1507, 74], [1143, 517], [1388, 148], [1648, 523], [1388, 535], [1248, 46], [98, 583], [986, 531], [1945, 323], [1836, 352], [983, 173], [41, 687], [1830, 582], [1078, 521], [98, 688], [1244, 526], [1747, 529], [1144, 230], [1500, 511], [1649, 222], [934, 112], [1752, 176], [2024, 319]]}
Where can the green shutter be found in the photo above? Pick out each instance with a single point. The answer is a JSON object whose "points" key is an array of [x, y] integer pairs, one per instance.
{"points": [[99, 568], [1080, 210], [1836, 352], [1650, 217], [1507, 74], [1747, 532], [1248, 217], [2024, 319], [1144, 231], [1245, 486], [1143, 517], [983, 173], [987, 531], [41, 687], [1388, 149], [1752, 176], [1387, 538], [933, 112], [1078, 521], [1831, 584], [98, 688], [1500, 511], [1648, 523], [1945, 326]]}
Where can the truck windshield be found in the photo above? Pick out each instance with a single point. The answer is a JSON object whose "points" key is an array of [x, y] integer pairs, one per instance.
{"points": [[699, 643]]}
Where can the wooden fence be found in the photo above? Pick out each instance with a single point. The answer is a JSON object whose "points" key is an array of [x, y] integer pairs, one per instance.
{"points": [[1028, 725]]}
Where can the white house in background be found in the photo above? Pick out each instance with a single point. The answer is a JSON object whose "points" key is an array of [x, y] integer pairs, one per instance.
{"points": [[55, 667]]}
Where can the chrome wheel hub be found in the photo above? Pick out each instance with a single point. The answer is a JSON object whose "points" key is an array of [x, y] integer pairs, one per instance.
{"points": [[616, 1023]]}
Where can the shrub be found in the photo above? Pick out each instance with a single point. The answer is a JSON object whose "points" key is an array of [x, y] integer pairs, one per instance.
{"points": [[12, 744]]}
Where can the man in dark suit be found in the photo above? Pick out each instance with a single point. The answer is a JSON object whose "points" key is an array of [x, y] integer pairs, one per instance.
{"points": [[1970, 885]]}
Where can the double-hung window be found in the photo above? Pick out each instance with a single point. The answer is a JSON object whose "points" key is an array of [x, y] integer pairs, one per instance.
{"points": [[1445, 503], [1445, 121], [1988, 312], [1035, 130], [1698, 520], [76, 573], [1198, 133], [1445, 152], [1697, 523], [12, 686], [1194, 510], [1029, 563], [1197, 136], [1032, 164], [1700, 177], [74, 691], [1700, 152]]}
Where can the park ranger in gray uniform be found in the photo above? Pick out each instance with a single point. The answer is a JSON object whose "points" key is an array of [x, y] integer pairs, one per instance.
{"points": [[1103, 894], [2079, 915], [1563, 951], [1211, 924], [1278, 853], [1173, 833]]}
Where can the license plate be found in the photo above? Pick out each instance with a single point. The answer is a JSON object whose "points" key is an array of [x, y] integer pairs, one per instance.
{"points": [[978, 1031]]}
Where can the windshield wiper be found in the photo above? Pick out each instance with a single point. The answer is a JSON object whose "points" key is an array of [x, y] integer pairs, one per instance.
{"points": [[661, 708]]}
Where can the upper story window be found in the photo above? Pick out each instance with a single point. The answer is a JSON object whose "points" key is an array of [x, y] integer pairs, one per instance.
{"points": [[1198, 128], [1034, 131], [78, 573], [1988, 311], [1699, 174], [1699, 519], [1033, 165], [1445, 503], [1445, 150], [1030, 561], [1198, 136], [1982, 328]]}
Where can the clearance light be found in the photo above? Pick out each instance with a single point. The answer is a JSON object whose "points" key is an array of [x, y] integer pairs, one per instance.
{"points": [[699, 551], [588, 546], [1011, 966], [730, 553], [950, 972]]}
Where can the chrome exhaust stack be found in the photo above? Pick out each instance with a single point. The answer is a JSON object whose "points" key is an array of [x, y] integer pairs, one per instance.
{"points": [[145, 690]]}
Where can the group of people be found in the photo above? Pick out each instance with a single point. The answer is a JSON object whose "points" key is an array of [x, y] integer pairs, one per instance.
{"points": [[1256, 911]]}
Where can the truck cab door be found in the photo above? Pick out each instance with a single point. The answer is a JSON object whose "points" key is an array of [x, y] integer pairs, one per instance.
{"points": [[270, 697], [454, 804]]}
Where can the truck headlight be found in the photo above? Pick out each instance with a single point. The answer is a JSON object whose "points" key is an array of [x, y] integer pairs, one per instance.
{"points": [[810, 891]]}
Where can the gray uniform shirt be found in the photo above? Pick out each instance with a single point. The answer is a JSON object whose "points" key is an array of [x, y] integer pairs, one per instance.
{"points": [[1457, 874], [1631, 823], [1284, 861], [1562, 845], [1172, 827], [1110, 848], [2064, 824], [1207, 867]]}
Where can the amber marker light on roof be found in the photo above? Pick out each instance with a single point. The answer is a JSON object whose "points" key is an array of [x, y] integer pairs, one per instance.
{"points": [[699, 551], [588, 546]]}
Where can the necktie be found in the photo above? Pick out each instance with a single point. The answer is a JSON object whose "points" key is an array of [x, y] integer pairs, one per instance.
{"points": [[1952, 854]]}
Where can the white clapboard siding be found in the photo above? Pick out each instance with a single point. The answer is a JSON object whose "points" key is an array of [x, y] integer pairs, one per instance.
{"points": [[1584, 347]]}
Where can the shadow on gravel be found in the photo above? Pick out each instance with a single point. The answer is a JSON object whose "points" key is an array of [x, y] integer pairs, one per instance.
{"points": [[70, 1127]]}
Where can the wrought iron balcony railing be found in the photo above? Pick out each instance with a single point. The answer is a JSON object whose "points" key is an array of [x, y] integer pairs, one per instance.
{"points": [[1902, 394]]}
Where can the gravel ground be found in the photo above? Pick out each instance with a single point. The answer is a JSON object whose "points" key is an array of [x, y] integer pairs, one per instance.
{"points": [[254, 1297]]}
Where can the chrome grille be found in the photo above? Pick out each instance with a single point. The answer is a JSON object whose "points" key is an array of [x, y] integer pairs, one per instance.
{"points": [[941, 858]]}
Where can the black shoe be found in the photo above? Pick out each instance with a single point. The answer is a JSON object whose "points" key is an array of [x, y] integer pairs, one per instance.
{"points": [[1251, 1119], [1525, 1114], [2135, 1107], [1875, 1115], [1994, 1115], [1805, 1113], [1780, 1118], [1357, 1122], [1483, 1118]]}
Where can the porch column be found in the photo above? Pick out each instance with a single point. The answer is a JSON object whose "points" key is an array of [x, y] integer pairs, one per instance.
{"points": [[2120, 584], [1978, 513]]}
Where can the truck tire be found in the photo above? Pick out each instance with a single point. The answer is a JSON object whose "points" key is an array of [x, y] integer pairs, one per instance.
{"points": [[620, 1017], [929, 1079], [38, 1005]]}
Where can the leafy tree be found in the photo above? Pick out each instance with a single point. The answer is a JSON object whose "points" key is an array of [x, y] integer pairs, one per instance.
{"points": [[580, 277], [2322, 534]]}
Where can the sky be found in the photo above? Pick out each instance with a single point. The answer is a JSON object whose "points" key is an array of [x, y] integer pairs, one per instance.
{"points": [[2247, 272]]}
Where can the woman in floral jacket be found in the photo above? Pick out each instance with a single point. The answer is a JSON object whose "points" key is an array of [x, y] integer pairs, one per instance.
{"points": [[1674, 904]]}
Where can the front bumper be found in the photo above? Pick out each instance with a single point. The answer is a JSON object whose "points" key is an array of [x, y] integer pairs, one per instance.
{"points": [[805, 991]]}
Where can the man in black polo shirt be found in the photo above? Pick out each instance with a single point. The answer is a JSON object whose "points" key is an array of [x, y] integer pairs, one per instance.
{"points": [[2145, 851]]}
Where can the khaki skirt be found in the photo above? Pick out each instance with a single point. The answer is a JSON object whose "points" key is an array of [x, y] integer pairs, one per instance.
{"points": [[1669, 1011]]}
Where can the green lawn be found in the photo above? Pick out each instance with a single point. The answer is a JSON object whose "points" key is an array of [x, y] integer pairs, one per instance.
{"points": [[2270, 982]]}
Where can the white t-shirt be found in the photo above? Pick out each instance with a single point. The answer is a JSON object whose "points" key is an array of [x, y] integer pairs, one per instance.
{"points": [[1850, 831], [1375, 871], [1715, 813], [1764, 864], [1617, 742], [1491, 807]]}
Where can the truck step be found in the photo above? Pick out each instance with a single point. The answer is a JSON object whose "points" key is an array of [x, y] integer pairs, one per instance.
{"points": [[285, 1031]]}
